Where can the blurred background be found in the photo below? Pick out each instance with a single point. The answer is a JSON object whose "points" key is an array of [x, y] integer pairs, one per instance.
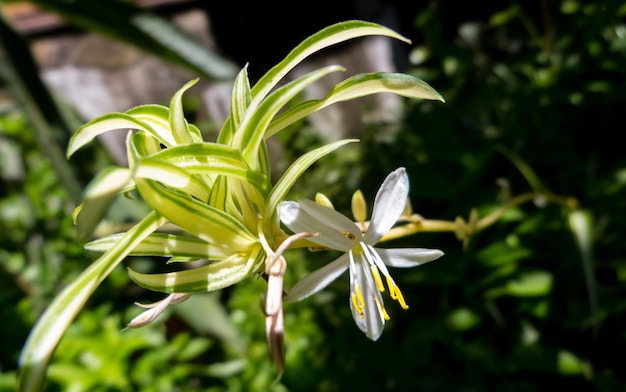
{"points": [[535, 94]]}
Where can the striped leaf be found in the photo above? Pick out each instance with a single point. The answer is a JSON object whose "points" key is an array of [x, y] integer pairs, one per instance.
{"points": [[214, 276], [45, 336], [253, 127], [197, 218], [165, 245], [355, 87], [109, 122], [291, 175]]}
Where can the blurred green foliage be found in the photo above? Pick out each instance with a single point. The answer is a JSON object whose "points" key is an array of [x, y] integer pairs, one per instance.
{"points": [[536, 300]]}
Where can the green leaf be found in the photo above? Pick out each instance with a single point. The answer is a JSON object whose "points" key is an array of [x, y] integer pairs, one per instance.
{"points": [[51, 326], [291, 175], [172, 176], [530, 284], [109, 122], [326, 37], [165, 245], [241, 97], [214, 276], [250, 135], [581, 224], [155, 116], [125, 22], [197, 218], [214, 159], [98, 197], [178, 124], [355, 87]]}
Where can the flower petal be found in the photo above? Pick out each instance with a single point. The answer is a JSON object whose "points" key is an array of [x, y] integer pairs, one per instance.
{"points": [[370, 321], [408, 257], [388, 205], [318, 279], [299, 220]]}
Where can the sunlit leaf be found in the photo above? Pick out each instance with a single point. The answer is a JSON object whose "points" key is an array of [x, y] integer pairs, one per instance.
{"points": [[51, 326], [112, 121], [213, 159], [195, 217], [355, 87], [214, 276], [253, 127], [178, 123], [166, 245], [172, 176], [291, 175]]}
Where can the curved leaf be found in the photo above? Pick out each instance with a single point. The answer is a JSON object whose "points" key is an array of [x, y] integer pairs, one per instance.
{"points": [[253, 127], [291, 175], [45, 336], [178, 123], [197, 218], [355, 87], [172, 176], [326, 37], [109, 122], [212, 158], [98, 197], [214, 276]]}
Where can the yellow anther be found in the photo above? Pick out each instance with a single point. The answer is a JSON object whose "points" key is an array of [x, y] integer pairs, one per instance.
{"points": [[323, 200], [356, 306], [359, 207], [360, 297], [400, 298], [357, 301], [377, 279], [395, 293]]}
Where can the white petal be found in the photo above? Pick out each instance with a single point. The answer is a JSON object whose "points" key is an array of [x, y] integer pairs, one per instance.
{"points": [[298, 220], [388, 205], [408, 257], [373, 323], [318, 279], [333, 219]]}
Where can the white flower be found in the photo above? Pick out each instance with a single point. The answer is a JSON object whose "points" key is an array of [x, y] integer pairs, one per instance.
{"points": [[366, 262]]}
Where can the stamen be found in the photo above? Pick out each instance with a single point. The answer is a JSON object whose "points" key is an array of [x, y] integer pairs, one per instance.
{"points": [[377, 279], [360, 296], [391, 285], [395, 293], [357, 301], [356, 306]]}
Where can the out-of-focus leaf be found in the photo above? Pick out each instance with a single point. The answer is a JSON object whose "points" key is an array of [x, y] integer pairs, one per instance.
{"points": [[98, 197], [125, 22], [530, 284], [581, 224]]}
